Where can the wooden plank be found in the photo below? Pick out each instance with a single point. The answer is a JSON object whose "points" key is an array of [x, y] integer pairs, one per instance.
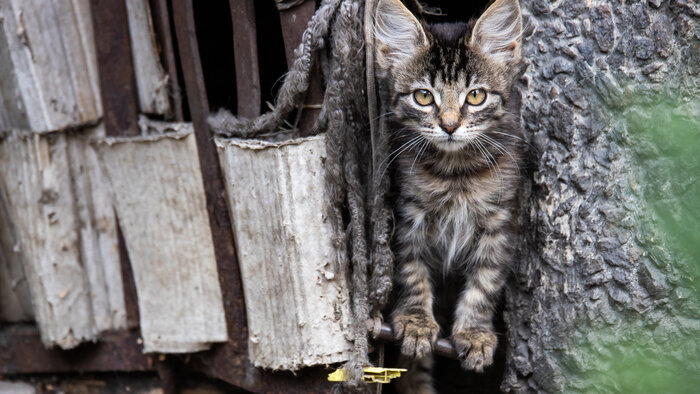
{"points": [[52, 57], [296, 292], [168, 237], [63, 229], [151, 79], [49, 69], [36, 179], [39, 199], [99, 249], [11, 104], [97, 246], [15, 299], [16, 388]]}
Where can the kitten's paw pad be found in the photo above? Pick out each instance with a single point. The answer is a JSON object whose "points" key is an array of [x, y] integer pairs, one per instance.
{"points": [[418, 333], [475, 348]]}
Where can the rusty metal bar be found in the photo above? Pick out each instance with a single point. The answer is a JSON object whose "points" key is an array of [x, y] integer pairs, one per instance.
{"points": [[245, 51], [224, 361], [161, 22], [22, 352], [443, 347], [167, 374], [219, 219], [115, 67], [119, 105], [294, 16]]}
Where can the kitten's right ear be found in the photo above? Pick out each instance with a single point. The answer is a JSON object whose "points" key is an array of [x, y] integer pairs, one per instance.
{"points": [[498, 32], [397, 32]]}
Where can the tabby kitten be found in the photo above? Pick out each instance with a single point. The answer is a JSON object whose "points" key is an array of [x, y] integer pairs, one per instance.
{"points": [[456, 154]]}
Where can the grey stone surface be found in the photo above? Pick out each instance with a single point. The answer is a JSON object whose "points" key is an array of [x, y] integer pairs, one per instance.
{"points": [[605, 294]]}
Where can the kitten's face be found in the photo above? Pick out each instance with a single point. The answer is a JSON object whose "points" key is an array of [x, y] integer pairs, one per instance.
{"points": [[448, 83]]}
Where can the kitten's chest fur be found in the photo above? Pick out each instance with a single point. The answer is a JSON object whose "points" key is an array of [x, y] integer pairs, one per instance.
{"points": [[447, 210]]}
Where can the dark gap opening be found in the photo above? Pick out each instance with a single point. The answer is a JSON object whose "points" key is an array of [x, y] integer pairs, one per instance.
{"points": [[455, 11], [215, 39], [271, 58]]}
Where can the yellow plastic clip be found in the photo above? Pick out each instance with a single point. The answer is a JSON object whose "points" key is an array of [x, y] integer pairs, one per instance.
{"points": [[371, 375]]}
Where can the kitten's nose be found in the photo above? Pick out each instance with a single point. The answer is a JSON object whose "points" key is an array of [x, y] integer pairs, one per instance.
{"points": [[449, 121], [449, 127]]}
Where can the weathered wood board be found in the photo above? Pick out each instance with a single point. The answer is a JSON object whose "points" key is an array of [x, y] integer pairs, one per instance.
{"points": [[151, 79], [295, 288], [159, 198], [15, 299], [98, 235], [61, 225], [48, 66], [7, 387]]}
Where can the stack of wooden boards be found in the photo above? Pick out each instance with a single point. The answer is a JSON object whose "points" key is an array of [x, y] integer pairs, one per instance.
{"points": [[63, 185], [59, 191]]}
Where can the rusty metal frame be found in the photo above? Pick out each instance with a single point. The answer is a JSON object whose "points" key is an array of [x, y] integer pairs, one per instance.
{"points": [[443, 347], [116, 69], [22, 352], [245, 52]]}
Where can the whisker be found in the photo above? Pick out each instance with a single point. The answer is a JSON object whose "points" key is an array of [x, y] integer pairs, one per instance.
{"points": [[383, 115], [511, 113], [499, 147], [400, 147], [480, 146], [408, 145], [420, 152], [394, 132], [512, 136], [495, 167]]}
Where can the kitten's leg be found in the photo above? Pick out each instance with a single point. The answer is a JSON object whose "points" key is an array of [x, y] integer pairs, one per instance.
{"points": [[418, 379], [413, 319], [472, 331]]}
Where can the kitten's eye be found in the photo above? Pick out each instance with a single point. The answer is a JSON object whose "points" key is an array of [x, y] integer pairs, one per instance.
{"points": [[423, 97], [476, 97]]}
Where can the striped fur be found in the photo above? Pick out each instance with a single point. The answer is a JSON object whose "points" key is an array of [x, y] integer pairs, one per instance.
{"points": [[456, 171]]}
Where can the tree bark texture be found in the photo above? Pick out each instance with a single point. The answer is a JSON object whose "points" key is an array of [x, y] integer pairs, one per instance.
{"points": [[605, 294]]}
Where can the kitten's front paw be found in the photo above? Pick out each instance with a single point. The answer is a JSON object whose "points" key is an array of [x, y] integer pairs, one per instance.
{"points": [[475, 348], [418, 334]]}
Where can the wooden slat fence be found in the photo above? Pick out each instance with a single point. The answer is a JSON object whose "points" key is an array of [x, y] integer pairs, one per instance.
{"points": [[116, 226]]}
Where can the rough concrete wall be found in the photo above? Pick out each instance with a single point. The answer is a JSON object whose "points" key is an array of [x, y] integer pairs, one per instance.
{"points": [[605, 297]]}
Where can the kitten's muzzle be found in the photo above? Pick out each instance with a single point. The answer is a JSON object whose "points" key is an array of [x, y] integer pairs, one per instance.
{"points": [[449, 121], [449, 128]]}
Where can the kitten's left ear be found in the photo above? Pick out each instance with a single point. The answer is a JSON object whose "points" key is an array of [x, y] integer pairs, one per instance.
{"points": [[399, 35], [498, 32]]}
